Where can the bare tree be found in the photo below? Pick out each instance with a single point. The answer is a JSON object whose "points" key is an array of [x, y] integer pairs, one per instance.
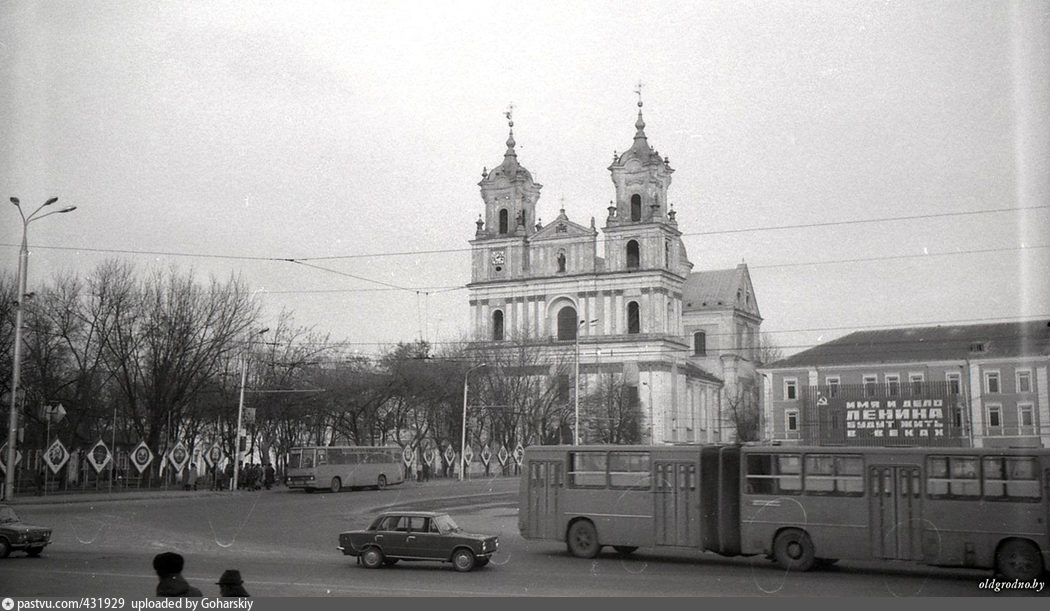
{"points": [[612, 413]]}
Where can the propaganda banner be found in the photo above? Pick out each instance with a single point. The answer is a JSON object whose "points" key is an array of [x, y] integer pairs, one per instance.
{"points": [[99, 456], [3, 457], [141, 457], [56, 456], [179, 456]]}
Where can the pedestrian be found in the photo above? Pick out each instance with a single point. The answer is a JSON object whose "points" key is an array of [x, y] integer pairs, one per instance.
{"points": [[168, 566], [269, 476], [231, 584]]}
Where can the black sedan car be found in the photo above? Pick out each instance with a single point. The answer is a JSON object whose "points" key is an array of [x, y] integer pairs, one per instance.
{"points": [[16, 535], [417, 535]]}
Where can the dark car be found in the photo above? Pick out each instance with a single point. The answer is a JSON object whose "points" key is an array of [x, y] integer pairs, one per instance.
{"points": [[16, 535], [417, 535]]}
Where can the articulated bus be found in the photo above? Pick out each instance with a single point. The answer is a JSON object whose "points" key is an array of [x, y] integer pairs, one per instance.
{"points": [[337, 467], [801, 506]]}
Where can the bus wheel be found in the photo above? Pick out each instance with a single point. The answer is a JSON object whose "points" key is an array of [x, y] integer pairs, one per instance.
{"points": [[793, 550], [583, 540], [381, 482], [372, 558], [335, 485], [626, 550], [1019, 560]]}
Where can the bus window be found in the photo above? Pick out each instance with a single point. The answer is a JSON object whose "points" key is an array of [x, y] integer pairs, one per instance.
{"points": [[335, 456], [1011, 478], [587, 470], [629, 470], [833, 474], [308, 459], [774, 474], [952, 477], [294, 458], [322, 458]]}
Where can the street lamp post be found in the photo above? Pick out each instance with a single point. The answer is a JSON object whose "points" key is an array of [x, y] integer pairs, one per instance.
{"points": [[463, 430], [652, 422], [240, 408], [16, 367], [576, 381]]}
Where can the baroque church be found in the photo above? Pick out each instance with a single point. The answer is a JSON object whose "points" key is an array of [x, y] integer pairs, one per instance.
{"points": [[624, 307]]}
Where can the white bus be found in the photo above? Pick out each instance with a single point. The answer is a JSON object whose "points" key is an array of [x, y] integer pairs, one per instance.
{"points": [[337, 467]]}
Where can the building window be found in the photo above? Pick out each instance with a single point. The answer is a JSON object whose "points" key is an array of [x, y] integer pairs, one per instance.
{"points": [[699, 343], [893, 385], [567, 323], [871, 383], [561, 262], [1026, 417], [790, 389], [497, 325], [954, 383], [833, 383], [791, 420], [503, 218], [1024, 380], [915, 380], [991, 382], [633, 258], [634, 323], [995, 416], [636, 207], [667, 254]]}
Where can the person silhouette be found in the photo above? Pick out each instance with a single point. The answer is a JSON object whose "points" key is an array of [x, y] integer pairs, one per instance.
{"points": [[168, 566], [231, 584]]}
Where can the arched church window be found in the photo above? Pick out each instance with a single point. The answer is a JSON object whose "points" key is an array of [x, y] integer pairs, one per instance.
{"points": [[633, 259], [503, 218], [497, 325], [636, 207], [561, 262], [634, 321], [567, 323], [667, 254], [699, 343]]}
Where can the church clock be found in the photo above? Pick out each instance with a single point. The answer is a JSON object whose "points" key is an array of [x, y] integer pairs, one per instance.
{"points": [[498, 257]]}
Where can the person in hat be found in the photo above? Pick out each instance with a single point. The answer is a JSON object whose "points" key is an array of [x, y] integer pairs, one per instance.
{"points": [[231, 584], [168, 566]]}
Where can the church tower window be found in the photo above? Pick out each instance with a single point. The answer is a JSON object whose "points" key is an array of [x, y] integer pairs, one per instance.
{"points": [[633, 259], [497, 325], [636, 207], [699, 344], [633, 319], [567, 323], [503, 219]]}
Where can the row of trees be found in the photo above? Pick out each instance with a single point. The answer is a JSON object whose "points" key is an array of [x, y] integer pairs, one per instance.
{"points": [[157, 357]]}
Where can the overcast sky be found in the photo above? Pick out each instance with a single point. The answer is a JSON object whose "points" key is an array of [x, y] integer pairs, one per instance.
{"points": [[225, 136]]}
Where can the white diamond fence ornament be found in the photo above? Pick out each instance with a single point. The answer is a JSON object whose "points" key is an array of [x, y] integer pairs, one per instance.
{"points": [[141, 456], [3, 457], [428, 457], [56, 456], [468, 455], [99, 456], [486, 455], [519, 454], [179, 456], [450, 455], [408, 455], [503, 455], [213, 456]]}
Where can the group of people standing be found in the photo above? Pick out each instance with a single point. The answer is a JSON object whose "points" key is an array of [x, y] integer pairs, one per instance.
{"points": [[168, 566]]}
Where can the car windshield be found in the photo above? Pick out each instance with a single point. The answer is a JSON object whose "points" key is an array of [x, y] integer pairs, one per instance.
{"points": [[445, 524], [7, 514]]}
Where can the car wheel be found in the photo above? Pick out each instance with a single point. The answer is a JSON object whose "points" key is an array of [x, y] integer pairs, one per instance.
{"points": [[793, 550], [335, 485], [463, 560], [372, 558], [583, 540], [626, 550], [1019, 560], [34, 551], [5, 548], [381, 482]]}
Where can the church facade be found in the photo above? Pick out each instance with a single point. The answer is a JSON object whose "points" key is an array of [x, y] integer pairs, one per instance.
{"points": [[623, 307]]}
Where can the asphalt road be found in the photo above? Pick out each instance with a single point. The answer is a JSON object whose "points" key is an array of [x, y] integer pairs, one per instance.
{"points": [[284, 544]]}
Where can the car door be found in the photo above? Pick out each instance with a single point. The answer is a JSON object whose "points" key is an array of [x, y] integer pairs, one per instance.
{"points": [[391, 535], [427, 540]]}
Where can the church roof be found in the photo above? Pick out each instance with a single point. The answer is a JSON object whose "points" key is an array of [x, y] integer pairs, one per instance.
{"points": [[510, 169], [562, 227], [924, 344], [718, 290], [640, 148]]}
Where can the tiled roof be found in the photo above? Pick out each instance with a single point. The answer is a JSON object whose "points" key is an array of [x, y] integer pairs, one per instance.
{"points": [[711, 289], [923, 344]]}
